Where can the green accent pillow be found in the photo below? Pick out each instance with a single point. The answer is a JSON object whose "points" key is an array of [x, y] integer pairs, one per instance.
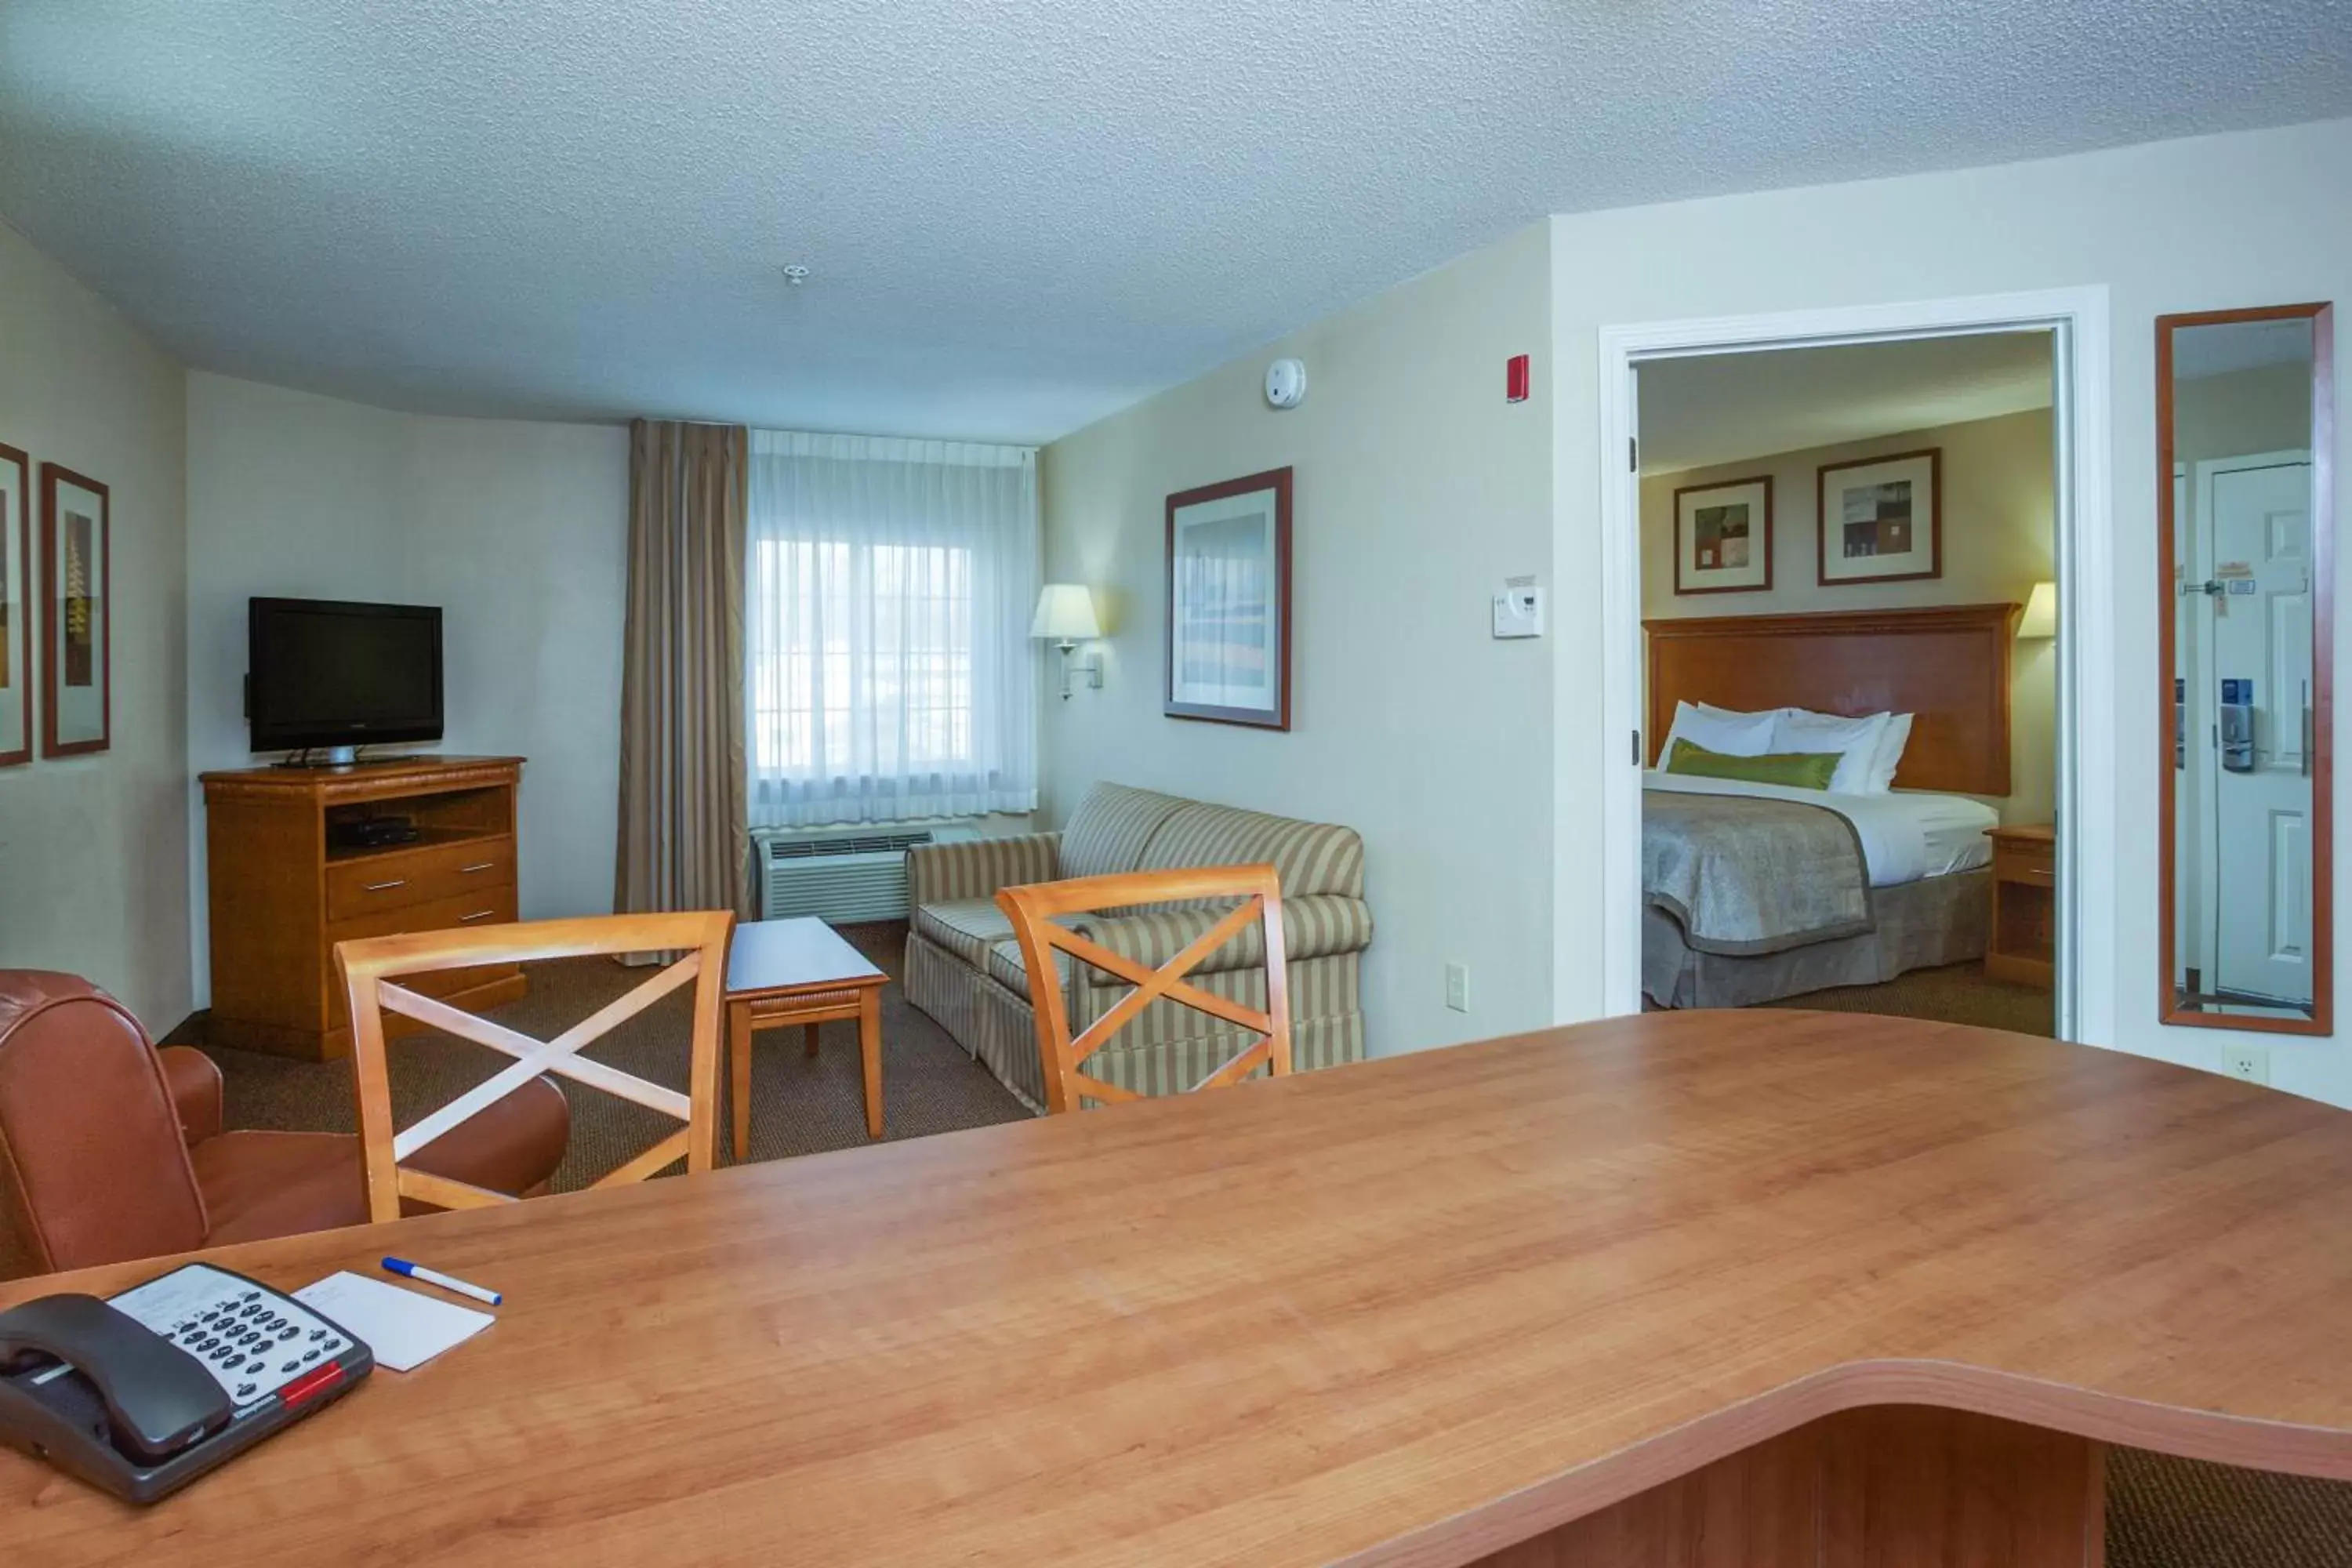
{"points": [[1798, 770]]}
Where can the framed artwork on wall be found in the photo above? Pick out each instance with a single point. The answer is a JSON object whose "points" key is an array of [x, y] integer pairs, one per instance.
{"points": [[15, 607], [77, 615], [1722, 537], [1881, 519], [1229, 602]]}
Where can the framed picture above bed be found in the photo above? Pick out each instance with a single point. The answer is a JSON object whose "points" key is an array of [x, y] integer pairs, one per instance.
{"points": [[1722, 537], [1229, 602], [1881, 518]]}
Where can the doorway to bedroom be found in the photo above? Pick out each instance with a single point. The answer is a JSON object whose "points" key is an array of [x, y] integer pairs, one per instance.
{"points": [[1850, 678]]}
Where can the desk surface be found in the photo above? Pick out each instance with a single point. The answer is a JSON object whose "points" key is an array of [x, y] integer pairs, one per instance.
{"points": [[1407, 1311], [764, 956]]}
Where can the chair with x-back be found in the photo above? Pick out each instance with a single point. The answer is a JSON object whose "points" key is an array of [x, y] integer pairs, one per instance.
{"points": [[1036, 913], [375, 968]]}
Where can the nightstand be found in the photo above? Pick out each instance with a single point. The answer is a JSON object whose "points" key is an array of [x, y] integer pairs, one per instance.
{"points": [[2023, 945]]}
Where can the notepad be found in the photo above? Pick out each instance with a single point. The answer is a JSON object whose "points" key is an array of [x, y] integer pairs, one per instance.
{"points": [[401, 1328]]}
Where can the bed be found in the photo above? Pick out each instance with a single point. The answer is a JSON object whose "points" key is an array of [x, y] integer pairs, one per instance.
{"points": [[1755, 892]]}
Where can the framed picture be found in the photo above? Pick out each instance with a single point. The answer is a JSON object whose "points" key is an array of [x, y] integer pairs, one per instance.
{"points": [[15, 607], [1229, 602], [77, 615], [1881, 519], [1722, 537]]}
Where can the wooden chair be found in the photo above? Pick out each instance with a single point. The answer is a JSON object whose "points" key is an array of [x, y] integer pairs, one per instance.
{"points": [[1032, 908], [369, 967]]}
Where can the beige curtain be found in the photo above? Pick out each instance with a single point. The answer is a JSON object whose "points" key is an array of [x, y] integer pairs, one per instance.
{"points": [[685, 834]]}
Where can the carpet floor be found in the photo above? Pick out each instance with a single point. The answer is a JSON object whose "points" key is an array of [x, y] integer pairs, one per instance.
{"points": [[2162, 1512], [1955, 994], [800, 1105]]}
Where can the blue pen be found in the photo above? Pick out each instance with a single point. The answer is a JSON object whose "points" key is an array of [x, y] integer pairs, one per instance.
{"points": [[401, 1265]]}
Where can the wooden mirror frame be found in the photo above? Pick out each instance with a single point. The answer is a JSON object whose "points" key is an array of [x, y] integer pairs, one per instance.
{"points": [[2323, 672]]}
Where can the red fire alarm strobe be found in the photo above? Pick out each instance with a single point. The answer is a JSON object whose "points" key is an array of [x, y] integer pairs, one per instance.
{"points": [[1515, 379]]}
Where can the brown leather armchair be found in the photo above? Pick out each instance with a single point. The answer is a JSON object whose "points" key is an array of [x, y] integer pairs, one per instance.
{"points": [[111, 1149]]}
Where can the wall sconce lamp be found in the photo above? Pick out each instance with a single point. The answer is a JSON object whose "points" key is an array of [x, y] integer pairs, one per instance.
{"points": [[2040, 622], [1066, 617]]}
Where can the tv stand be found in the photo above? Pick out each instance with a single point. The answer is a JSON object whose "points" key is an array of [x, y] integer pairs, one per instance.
{"points": [[282, 892]]}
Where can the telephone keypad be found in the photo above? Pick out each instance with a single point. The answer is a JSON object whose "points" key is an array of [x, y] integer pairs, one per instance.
{"points": [[229, 1327]]}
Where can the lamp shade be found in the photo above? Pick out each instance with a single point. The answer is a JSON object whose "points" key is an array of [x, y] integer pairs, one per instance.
{"points": [[1065, 613], [2040, 622]]}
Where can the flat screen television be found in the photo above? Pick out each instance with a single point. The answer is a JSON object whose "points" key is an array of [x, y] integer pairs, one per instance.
{"points": [[324, 672]]}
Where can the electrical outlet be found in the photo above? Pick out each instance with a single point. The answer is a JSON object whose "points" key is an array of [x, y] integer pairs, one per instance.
{"points": [[1457, 988], [2252, 1063]]}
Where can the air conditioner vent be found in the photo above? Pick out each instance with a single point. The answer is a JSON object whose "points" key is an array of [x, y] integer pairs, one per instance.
{"points": [[846, 875]]}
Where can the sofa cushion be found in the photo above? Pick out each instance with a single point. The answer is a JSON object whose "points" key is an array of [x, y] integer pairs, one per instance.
{"points": [[965, 927], [1308, 857], [1005, 967], [1312, 927], [1111, 828]]}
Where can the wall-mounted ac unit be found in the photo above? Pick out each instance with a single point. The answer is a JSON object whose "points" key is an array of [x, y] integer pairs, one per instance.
{"points": [[845, 875]]}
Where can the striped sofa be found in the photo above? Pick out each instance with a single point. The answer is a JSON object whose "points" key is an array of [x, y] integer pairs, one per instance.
{"points": [[964, 968]]}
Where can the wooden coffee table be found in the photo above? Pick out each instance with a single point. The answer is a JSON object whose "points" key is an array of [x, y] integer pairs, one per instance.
{"points": [[799, 972]]}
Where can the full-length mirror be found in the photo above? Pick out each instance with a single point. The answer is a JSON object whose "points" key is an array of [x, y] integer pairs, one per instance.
{"points": [[2244, 407]]}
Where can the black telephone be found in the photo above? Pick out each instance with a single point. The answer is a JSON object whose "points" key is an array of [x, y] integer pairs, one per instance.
{"points": [[143, 1394]]}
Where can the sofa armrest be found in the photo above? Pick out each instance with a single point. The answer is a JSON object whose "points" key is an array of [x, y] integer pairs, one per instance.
{"points": [[1315, 926], [195, 1080], [976, 868]]}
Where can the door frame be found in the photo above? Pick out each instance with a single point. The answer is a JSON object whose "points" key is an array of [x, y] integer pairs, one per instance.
{"points": [[2083, 549]]}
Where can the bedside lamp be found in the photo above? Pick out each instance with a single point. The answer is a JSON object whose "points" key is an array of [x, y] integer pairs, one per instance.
{"points": [[1066, 617], [2040, 622]]}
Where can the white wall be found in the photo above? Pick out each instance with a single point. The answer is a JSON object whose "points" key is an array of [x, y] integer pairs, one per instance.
{"points": [[93, 864], [519, 530], [1998, 504], [1418, 489], [2250, 219]]}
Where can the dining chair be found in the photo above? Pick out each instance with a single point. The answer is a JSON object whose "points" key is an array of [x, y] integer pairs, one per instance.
{"points": [[1035, 910], [375, 972]]}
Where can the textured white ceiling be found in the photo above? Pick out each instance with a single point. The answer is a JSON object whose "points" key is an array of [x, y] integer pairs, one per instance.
{"points": [[1017, 215], [1721, 408]]}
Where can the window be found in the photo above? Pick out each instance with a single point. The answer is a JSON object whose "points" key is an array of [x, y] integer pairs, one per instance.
{"points": [[890, 672]]}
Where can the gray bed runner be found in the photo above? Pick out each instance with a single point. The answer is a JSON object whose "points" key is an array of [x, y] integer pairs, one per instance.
{"points": [[1744, 876]]}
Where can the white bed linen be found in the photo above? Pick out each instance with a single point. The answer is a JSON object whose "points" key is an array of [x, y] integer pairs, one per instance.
{"points": [[1905, 834]]}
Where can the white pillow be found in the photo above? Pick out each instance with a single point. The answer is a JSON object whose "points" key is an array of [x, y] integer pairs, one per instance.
{"points": [[1890, 752], [1720, 731], [1855, 741]]}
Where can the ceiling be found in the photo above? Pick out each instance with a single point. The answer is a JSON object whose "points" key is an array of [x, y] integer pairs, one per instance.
{"points": [[1016, 216], [1719, 409]]}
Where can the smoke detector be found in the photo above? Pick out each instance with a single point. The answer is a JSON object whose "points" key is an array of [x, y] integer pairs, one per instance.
{"points": [[795, 274]]}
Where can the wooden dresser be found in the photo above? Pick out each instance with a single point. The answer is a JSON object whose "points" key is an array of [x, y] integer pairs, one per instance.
{"points": [[2023, 945], [281, 896]]}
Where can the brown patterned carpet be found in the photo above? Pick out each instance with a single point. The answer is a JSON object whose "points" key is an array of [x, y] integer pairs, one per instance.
{"points": [[2161, 1512]]}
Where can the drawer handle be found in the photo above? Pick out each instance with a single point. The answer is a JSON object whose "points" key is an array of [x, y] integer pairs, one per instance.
{"points": [[476, 915], [477, 866], [387, 886]]}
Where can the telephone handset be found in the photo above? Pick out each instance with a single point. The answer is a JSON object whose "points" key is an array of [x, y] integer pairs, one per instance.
{"points": [[143, 1394]]}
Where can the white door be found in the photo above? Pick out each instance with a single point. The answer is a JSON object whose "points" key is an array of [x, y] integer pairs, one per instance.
{"points": [[2260, 654]]}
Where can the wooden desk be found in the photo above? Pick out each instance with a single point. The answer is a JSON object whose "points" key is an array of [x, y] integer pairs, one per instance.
{"points": [[1422, 1310], [799, 972]]}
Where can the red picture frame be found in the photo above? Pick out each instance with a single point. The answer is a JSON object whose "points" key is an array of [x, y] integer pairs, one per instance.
{"points": [[16, 633], [1277, 715], [93, 555]]}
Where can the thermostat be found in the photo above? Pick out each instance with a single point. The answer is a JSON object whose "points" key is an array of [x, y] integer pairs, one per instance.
{"points": [[1520, 610], [1285, 382]]}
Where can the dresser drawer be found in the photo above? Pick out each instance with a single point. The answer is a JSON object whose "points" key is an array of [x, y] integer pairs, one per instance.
{"points": [[408, 877], [490, 906], [2036, 866]]}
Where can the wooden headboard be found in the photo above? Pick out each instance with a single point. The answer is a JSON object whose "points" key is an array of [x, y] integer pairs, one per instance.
{"points": [[1949, 664]]}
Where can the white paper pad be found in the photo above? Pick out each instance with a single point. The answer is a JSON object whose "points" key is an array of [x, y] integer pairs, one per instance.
{"points": [[402, 1327]]}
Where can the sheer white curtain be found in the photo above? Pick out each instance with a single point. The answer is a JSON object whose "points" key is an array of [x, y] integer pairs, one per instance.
{"points": [[888, 585]]}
